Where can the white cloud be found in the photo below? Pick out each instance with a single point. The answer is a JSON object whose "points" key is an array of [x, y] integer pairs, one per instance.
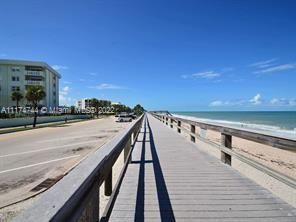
{"points": [[269, 66], [60, 67], [264, 64], [256, 100], [278, 68], [103, 86], [93, 74], [217, 103], [227, 103], [202, 75], [64, 99], [67, 82], [206, 75], [66, 89], [283, 102]]}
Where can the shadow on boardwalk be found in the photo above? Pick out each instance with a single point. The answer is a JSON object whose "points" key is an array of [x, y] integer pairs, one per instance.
{"points": [[165, 207]]}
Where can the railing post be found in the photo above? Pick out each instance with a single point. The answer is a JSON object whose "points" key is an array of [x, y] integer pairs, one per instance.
{"points": [[192, 130], [179, 126], [96, 201], [127, 149], [108, 184], [226, 141], [166, 120], [172, 123]]}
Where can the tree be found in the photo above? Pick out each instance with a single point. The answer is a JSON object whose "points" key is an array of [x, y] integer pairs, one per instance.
{"points": [[96, 104], [138, 110], [34, 95], [17, 96], [104, 104], [100, 105], [121, 108]]}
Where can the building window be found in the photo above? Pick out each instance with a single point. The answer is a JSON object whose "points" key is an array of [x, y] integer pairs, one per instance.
{"points": [[15, 69], [15, 88], [15, 78]]}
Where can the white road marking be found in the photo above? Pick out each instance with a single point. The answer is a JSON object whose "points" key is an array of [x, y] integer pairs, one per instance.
{"points": [[73, 137], [37, 164], [46, 149]]}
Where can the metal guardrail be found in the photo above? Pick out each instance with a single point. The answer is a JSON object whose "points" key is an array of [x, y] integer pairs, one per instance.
{"points": [[76, 197]]}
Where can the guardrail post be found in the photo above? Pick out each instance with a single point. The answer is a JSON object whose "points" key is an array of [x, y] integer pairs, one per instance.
{"points": [[179, 126], [172, 123], [192, 130], [127, 149], [226, 141], [96, 201], [108, 184]]}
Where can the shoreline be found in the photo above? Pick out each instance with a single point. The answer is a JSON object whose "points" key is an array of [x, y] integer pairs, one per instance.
{"points": [[271, 130]]}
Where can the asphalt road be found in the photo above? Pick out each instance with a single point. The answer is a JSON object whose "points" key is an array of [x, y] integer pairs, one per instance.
{"points": [[28, 158]]}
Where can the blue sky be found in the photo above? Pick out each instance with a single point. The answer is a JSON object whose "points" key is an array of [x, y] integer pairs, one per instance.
{"points": [[172, 55]]}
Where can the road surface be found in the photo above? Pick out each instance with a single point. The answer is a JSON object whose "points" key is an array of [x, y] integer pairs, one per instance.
{"points": [[30, 157]]}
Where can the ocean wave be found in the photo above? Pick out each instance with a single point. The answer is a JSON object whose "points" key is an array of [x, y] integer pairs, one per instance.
{"points": [[274, 130]]}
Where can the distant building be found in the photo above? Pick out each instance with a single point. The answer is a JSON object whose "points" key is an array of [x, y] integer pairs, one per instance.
{"points": [[116, 103], [18, 75], [83, 104]]}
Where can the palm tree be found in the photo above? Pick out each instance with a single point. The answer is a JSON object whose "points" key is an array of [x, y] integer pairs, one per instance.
{"points": [[17, 96], [96, 104], [34, 95]]}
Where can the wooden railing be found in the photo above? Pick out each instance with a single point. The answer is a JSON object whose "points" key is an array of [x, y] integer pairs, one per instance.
{"points": [[76, 197], [226, 134]]}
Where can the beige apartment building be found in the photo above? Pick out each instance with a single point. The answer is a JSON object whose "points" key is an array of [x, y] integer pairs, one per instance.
{"points": [[83, 104], [18, 75]]}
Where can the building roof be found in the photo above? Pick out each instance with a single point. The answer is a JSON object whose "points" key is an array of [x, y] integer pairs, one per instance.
{"points": [[32, 63]]}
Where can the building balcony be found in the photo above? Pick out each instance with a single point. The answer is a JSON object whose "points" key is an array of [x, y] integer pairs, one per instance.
{"points": [[34, 83], [35, 73]]}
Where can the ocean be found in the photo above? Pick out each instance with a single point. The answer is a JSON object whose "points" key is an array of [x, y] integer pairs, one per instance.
{"points": [[280, 123]]}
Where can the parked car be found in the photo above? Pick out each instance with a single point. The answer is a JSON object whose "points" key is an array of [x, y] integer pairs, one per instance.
{"points": [[124, 117]]}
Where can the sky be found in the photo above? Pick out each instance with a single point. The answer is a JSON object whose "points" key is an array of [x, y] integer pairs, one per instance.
{"points": [[166, 55]]}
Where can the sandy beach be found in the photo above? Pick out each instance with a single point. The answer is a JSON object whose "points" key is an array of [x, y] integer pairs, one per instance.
{"points": [[283, 161]]}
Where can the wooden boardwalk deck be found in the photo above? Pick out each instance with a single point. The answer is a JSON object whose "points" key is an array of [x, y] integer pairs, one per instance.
{"points": [[170, 179]]}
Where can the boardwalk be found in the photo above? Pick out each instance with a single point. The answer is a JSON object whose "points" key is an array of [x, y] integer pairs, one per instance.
{"points": [[170, 179]]}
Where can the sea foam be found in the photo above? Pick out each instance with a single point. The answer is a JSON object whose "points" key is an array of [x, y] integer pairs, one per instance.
{"points": [[261, 128]]}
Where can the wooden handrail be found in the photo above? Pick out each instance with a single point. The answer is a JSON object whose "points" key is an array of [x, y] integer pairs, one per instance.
{"points": [[76, 197], [263, 138]]}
